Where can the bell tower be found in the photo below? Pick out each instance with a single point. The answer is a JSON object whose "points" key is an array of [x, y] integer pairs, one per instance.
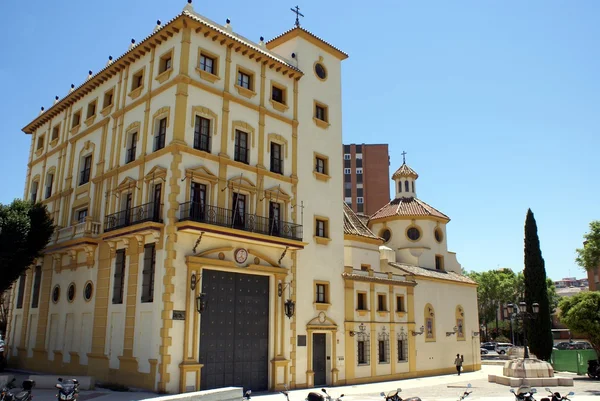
{"points": [[405, 178]]}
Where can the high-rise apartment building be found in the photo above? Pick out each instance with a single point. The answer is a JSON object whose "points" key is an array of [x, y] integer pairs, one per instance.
{"points": [[366, 174]]}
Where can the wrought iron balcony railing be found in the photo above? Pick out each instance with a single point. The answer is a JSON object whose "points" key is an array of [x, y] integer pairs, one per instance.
{"points": [[242, 221], [147, 212]]}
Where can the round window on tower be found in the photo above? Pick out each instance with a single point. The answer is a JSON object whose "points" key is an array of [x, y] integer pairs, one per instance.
{"points": [[413, 233], [88, 291], [71, 292], [439, 235], [56, 293], [320, 70], [386, 234]]}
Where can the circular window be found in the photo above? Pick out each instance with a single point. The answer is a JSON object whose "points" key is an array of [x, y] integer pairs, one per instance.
{"points": [[56, 293], [439, 236], [88, 291], [413, 233], [320, 71], [386, 235], [71, 292]]}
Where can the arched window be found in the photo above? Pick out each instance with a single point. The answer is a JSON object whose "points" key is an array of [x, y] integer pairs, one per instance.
{"points": [[383, 347], [399, 186], [413, 186], [460, 323], [406, 186], [429, 315], [402, 348], [363, 347]]}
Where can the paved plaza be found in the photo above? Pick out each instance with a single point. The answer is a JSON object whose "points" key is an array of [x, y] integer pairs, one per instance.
{"points": [[437, 388]]}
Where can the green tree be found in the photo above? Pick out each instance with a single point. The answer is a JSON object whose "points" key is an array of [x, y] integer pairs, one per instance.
{"points": [[539, 331], [25, 230], [581, 314], [588, 257]]}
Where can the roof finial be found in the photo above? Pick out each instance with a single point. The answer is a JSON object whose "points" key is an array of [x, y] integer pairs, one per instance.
{"points": [[296, 11], [403, 157], [89, 74], [132, 45], [72, 88], [188, 6], [158, 25], [110, 60], [55, 99]]}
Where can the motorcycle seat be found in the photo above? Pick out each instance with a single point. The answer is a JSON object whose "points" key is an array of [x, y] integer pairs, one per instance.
{"points": [[412, 399], [21, 395], [315, 397]]}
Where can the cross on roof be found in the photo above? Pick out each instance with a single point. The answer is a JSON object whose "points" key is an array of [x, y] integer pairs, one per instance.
{"points": [[296, 11], [403, 157]]}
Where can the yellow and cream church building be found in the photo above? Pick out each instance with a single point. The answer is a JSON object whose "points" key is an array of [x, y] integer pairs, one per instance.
{"points": [[201, 241]]}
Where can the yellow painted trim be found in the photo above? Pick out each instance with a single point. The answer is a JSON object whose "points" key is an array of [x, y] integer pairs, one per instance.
{"points": [[299, 32], [366, 240], [320, 61], [413, 225], [245, 127]]}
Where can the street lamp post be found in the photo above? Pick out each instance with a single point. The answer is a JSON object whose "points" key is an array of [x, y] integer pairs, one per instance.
{"points": [[520, 312]]}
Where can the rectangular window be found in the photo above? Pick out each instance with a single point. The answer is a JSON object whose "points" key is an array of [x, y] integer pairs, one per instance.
{"points": [[402, 355], [161, 133], [347, 163], [81, 215], [360, 208], [202, 134], [55, 132], [84, 176], [137, 81], [359, 156], [276, 160], [381, 303], [360, 200], [207, 64], [348, 200], [241, 147], [49, 182], [359, 190], [148, 273], [381, 351], [244, 80], [278, 94], [108, 99], [21, 291], [119, 277], [321, 229], [321, 112], [321, 296], [91, 109], [132, 148], [347, 171], [347, 156], [40, 142], [359, 171], [166, 62], [365, 268], [362, 357], [198, 206], [359, 179], [37, 280], [439, 262], [359, 162], [321, 165], [76, 119], [361, 301], [400, 303], [348, 193]]}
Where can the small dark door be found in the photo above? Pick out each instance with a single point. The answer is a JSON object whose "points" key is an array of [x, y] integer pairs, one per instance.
{"points": [[198, 205], [319, 358], [156, 202], [239, 211], [127, 214], [274, 218]]}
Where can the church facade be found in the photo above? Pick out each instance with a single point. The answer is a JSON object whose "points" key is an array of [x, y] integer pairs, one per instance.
{"points": [[200, 238]]}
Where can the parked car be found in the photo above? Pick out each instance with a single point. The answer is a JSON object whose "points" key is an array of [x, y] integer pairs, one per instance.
{"points": [[490, 346], [484, 351], [568, 345], [502, 348]]}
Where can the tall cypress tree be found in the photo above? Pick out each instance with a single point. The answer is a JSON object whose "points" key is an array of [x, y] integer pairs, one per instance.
{"points": [[539, 331]]}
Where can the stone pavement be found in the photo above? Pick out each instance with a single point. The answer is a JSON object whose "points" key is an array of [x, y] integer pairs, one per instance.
{"points": [[437, 388]]}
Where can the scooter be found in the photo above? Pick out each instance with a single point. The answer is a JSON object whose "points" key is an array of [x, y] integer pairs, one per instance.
{"points": [[67, 390], [524, 393], [393, 396], [556, 396], [320, 397], [247, 395], [593, 369], [23, 395]]}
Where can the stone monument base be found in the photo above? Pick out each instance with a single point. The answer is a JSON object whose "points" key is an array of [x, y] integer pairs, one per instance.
{"points": [[530, 372]]}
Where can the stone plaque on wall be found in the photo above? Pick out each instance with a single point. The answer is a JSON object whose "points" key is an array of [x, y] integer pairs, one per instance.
{"points": [[301, 341], [178, 315]]}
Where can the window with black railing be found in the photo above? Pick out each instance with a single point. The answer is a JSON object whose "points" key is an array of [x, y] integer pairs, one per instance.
{"points": [[161, 133], [276, 160], [202, 134], [84, 176], [132, 148], [241, 147], [129, 216]]}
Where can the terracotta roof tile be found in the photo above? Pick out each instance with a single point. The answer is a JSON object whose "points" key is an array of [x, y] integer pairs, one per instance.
{"points": [[424, 272], [354, 226], [405, 171], [407, 207], [364, 218]]}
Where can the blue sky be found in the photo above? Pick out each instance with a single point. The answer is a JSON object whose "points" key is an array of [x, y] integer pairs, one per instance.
{"points": [[496, 102]]}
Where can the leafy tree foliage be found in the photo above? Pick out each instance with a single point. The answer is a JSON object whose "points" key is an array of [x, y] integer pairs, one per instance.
{"points": [[25, 230], [581, 314], [539, 331], [588, 257]]}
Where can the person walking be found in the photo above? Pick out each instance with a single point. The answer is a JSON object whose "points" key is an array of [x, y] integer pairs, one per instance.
{"points": [[458, 362]]}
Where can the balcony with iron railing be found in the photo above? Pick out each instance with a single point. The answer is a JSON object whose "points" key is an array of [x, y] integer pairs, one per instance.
{"points": [[192, 211], [87, 228], [140, 214]]}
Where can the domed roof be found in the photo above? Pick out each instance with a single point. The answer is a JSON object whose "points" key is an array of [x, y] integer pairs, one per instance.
{"points": [[405, 171]]}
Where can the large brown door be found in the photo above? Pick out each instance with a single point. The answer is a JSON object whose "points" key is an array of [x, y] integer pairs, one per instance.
{"points": [[234, 331], [319, 364]]}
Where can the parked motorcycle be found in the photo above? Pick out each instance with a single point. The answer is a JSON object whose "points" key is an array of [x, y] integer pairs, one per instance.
{"points": [[393, 396], [23, 395], [524, 393], [593, 369], [466, 393], [320, 397], [247, 395], [556, 396], [67, 389]]}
